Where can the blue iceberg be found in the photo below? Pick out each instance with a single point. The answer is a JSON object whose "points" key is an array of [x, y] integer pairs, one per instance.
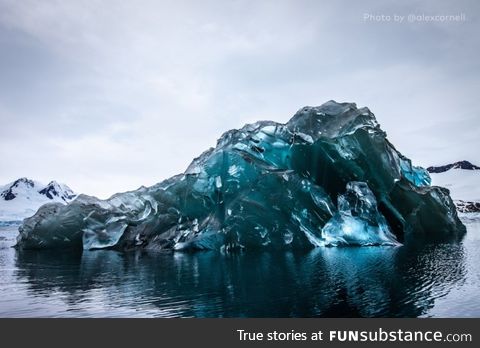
{"points": [[328, 177]]}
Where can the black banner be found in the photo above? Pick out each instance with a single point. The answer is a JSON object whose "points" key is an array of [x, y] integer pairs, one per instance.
{"points": [[240, 332]]}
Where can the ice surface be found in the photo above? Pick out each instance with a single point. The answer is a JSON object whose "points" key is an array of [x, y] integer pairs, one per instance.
{"points": [[268, 185], [358, 221]]}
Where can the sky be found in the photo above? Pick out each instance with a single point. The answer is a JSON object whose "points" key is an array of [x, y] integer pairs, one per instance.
{"points": [[107, 96]]}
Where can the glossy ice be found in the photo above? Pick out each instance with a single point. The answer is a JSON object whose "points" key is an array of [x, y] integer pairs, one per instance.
{"points": [[268, 185]]}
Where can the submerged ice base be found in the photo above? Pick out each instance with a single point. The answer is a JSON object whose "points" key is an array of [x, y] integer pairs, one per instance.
{"points": [[268, 185]]}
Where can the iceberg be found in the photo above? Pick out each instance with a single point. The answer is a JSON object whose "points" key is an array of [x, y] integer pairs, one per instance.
{"points": [[327, 177]]}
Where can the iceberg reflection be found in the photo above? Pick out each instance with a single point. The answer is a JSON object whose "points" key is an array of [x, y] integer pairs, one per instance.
{"points": [[331, 282]]}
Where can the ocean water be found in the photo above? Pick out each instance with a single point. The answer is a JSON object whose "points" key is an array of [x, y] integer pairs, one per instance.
{"points": [[440, 280]]}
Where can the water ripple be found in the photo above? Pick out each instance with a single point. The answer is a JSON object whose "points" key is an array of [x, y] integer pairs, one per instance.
{"points": [[431, 280]]}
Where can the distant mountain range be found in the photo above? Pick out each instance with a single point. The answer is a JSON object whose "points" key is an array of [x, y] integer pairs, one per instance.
{"points": [[457, 165], [22, 197]]}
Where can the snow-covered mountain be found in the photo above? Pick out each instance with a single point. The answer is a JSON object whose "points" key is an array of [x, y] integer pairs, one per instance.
{"points": [[457, 165], [21, 198], [463, 180]]}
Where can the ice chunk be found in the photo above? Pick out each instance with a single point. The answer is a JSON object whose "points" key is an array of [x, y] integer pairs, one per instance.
{"points": [[104, 238], [416, 175], [358, 221]]}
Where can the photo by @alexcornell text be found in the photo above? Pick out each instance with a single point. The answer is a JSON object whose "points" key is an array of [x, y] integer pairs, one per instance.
{"points": [[413, 18]]}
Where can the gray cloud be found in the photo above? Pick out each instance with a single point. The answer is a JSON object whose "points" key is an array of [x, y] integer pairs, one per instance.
{"points": [[109, 95]]}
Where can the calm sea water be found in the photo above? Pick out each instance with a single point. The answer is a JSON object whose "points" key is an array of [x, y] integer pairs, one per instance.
{"points": [[435, 280]]}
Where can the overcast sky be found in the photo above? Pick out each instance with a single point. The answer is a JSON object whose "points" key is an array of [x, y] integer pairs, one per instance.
{"points": [[110, 95]]}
